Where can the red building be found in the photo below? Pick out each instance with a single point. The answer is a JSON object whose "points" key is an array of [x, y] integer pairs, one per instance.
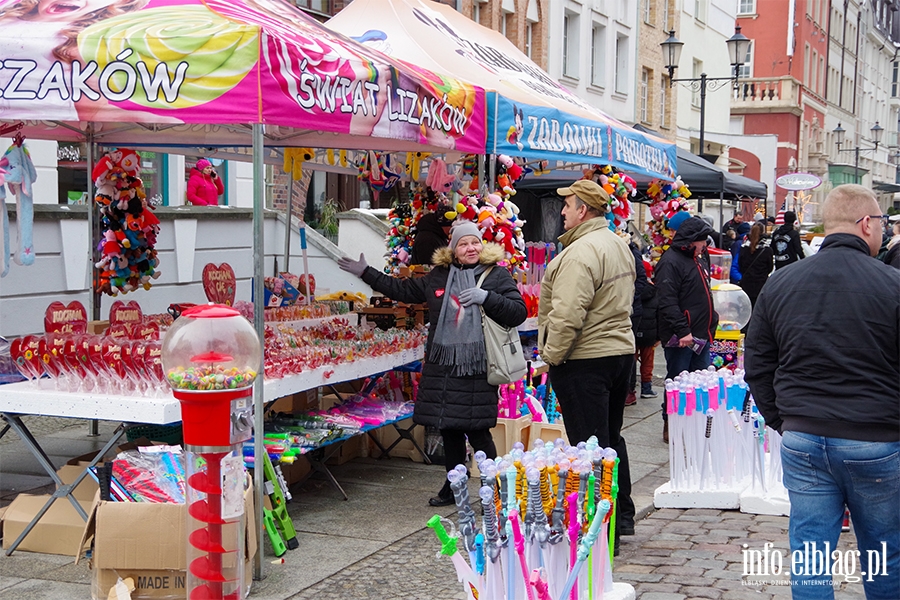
{"points": [[783, 85]]}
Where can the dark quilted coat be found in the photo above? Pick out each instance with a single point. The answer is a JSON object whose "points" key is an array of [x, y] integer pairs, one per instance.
{"points": [[466, 403]]}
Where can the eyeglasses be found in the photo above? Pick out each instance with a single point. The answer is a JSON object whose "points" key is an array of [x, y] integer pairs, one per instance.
{"points": [[882, 218]]}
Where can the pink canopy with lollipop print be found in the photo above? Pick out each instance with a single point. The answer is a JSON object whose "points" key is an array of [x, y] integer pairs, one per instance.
{"points": [[189, 65]]}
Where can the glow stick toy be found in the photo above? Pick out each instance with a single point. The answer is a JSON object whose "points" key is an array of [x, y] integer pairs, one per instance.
{"points": [[540, 585], [583, 551], [574, 530], [519, 545], [464, 572]]}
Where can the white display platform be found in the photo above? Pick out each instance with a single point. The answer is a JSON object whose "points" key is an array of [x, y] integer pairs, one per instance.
{"points": [[312, 322], [665, 497], [45, 400], [775, 502], [277, 388], [529, 325], [620, 591]]}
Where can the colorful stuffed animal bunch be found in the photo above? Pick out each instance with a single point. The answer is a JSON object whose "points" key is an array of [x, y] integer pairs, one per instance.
{"points": [[668, 198], [620, 187], [403, 219], [127, 223]]}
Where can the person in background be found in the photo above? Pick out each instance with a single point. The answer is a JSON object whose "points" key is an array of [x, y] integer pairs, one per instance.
{"points": [[454, 394], [204, 186], [756, 261], [732, 224], [893, 248], [647, 336], [584, 329], [740, 236], [432, 233], [823, 371], [637, 310], [685, 309], [786, 244]]}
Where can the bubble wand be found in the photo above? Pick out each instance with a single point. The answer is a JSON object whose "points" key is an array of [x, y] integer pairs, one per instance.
{"points": [[519, 545], [510, 548], [494, 576], [457, 478], [574, 529], [583, 551]]}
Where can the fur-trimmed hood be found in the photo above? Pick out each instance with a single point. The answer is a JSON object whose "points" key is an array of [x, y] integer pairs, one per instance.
{"points": [[491, 254]]}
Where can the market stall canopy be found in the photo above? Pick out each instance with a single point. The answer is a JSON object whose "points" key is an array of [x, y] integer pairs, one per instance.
{"points": [[199, 72], [530, 114]]}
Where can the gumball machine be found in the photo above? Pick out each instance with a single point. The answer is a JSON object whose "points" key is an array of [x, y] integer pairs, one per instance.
{"points": [[210, 357], [734, 308]]}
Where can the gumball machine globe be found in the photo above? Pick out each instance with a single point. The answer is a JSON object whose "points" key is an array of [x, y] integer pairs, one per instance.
{"points": [[733, 305], [211, 357]]}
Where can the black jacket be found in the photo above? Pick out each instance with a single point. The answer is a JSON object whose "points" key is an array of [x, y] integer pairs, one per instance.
{"points": [[637, 309], [755, 268], [467, 403], [823, 346], [786, 246], [647, 334], [682, 287], [893, 256], [429, 238]]}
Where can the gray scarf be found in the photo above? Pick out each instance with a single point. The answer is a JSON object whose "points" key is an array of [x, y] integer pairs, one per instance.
{"points": [[459, 343]]}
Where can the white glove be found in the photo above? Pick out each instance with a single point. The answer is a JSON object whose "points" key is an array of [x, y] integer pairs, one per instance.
{"points": [[357, 267], [472, 296]]}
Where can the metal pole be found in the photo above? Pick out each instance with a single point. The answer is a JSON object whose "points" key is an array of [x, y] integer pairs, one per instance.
{"points": [[259, 197], [492, 171], [702, 111], [288, 225], [93, 239]]}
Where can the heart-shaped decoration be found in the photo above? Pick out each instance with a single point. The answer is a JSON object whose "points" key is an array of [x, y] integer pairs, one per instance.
{"points": [[219, 283], [119, 312], [59, 318], [48, 359], [18, 352], [112, 358], [145, 331], [119, 331]]}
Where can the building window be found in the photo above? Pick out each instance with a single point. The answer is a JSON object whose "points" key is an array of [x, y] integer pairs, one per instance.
{"points": [[806, 65], [622, 64], [695, 94], [746, 69], [700, 10], [813, 68], [895, 68], [503, 23], [598, 62], [746, 7], [648, 11], [476, 12], [821, 76], [665, 15], [645, 92], [529, 33], [663, 99], [570, 45]]}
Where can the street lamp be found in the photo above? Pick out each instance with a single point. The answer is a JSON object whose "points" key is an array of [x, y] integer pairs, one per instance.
{"points": [[738, 44], [839, 132]]}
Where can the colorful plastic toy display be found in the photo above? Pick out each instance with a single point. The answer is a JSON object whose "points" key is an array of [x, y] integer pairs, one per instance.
{"points": [[667, 199]]}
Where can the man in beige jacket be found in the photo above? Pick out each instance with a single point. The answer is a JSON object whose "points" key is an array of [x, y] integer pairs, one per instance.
{"points": [[584, 328]]}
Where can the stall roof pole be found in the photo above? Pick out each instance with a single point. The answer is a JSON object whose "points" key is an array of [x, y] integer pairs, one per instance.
{"points": [[259, 323], [93, 227], [287, 220]]}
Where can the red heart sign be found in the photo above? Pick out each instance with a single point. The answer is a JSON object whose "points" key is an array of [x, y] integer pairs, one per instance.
{"points": [[219, 283], [145, 331], [119, 312], [59, 318], [119, 331]]}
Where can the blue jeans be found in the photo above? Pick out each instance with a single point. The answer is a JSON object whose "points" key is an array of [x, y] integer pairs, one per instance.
{"points": [[825, 474], [683, 359]]}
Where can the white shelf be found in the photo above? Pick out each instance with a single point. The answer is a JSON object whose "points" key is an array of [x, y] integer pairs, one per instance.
{"points": [[276, 388], [45, 400], [529, 325]]}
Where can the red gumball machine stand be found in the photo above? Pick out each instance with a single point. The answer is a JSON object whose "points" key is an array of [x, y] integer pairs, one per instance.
{"points": [[215, 425], [211, 356]]}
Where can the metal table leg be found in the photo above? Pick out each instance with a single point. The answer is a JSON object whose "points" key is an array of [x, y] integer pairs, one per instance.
{"points": [[317, 460], [405, 434], [63, 490]]}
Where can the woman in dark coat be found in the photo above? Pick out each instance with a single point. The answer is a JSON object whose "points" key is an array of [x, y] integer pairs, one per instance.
{"points": [[454, 394], [756, 261], [431, 235]]}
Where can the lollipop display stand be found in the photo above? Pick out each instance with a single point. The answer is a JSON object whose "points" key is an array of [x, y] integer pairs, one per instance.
{"points": [[211, 356]]}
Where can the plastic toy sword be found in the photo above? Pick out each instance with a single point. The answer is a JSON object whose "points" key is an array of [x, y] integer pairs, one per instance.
{"points": [[584, 550], [464, 572], [460, 490], [540, 586], [574, 530], [519, 544]]}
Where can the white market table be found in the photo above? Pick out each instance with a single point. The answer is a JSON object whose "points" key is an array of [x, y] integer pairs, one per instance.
{"points": [[42, 399]]}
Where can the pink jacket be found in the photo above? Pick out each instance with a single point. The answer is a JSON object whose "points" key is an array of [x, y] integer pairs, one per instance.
{"points": [[204, 190]]}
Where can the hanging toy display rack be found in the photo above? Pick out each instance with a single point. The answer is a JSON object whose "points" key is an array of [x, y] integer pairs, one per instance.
{"points": [[211, 357]]}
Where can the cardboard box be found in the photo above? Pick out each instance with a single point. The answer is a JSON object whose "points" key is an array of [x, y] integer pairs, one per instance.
{"points": [[58, 532], [87, 489], [348, 450], [388, 435], [97, 327], [147, 542]]}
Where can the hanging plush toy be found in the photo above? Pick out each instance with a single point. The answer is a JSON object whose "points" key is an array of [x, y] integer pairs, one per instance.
{"points": [[414, 164], [19, 176], [667, 199], [438, 178], [294, 159]]}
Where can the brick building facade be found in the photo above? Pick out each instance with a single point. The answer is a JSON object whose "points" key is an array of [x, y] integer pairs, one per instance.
{"points": [[655, 99]]}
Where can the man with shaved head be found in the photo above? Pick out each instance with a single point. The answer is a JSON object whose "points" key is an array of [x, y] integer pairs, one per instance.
{"points": [[823, 364]]}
